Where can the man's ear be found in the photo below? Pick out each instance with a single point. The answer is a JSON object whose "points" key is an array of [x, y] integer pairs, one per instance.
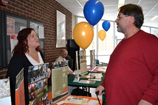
{"points": [[132, 20]]}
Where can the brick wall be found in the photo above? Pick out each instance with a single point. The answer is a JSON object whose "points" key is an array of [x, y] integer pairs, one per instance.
{"points": [[43, 11]]}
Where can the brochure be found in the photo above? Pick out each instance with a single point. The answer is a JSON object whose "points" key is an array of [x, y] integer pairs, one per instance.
{"points": [[92, 60], [59, 82], [101, 69], [76, 100], [19, 89], [87, 81], [38, 84], [5, 98], [83, 61]]}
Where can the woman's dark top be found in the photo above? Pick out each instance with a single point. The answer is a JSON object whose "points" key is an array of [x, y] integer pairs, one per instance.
{"points": [[15, 66]]}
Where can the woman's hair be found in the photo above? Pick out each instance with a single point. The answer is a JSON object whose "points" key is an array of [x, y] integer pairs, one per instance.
{"points": [[135, 11], [22, 47]]}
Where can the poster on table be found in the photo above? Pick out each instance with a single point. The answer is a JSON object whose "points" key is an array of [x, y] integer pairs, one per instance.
{"points": [[83, 61], [38, 84], [5, 98], [19, 89], [92, 60], [59, 86]]}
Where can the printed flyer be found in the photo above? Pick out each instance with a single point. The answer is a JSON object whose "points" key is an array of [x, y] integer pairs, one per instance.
{"points": [[19, 89], [38, 84], [92, 60], [83, 61], [5, 98]]}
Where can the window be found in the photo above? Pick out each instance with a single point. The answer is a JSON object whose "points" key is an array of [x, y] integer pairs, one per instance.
{"points": [[154, 31], [14, 25], [103, 49], [106, 46], [146, 29]]}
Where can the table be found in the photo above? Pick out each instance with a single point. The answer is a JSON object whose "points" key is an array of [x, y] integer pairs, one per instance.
{"points": [[89, 98], [77, 84], [97, 83]]}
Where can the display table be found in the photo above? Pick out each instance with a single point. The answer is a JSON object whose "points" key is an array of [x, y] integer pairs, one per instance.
{"points": [[77, 84], [98, 69], [64, 101], [78, 99]]}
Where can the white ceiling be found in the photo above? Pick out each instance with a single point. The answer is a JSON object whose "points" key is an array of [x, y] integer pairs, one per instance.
{"points": [[150, 9]]}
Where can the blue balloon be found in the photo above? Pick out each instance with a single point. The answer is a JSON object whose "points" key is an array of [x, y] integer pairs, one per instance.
{"points": [[106, 25], [93, 11]]}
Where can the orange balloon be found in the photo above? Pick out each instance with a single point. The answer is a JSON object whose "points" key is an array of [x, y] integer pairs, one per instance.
{"points": [[83, 34], [102, 34]]}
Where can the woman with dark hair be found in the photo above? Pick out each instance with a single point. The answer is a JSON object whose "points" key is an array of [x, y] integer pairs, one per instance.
{"points": [[26, 53]]}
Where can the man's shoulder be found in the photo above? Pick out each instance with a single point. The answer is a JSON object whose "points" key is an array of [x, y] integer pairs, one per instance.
{"points": [[59, 59]]}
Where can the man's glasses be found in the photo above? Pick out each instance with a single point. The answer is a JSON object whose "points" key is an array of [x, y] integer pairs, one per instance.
{"points": [[120, 16]]}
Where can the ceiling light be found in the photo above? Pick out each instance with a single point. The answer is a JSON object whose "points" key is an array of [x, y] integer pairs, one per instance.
{"points": [[153, 18], [121, 3]]}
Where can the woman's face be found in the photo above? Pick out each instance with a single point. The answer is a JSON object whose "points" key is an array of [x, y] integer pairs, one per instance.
{"points": [[32, 39]]}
